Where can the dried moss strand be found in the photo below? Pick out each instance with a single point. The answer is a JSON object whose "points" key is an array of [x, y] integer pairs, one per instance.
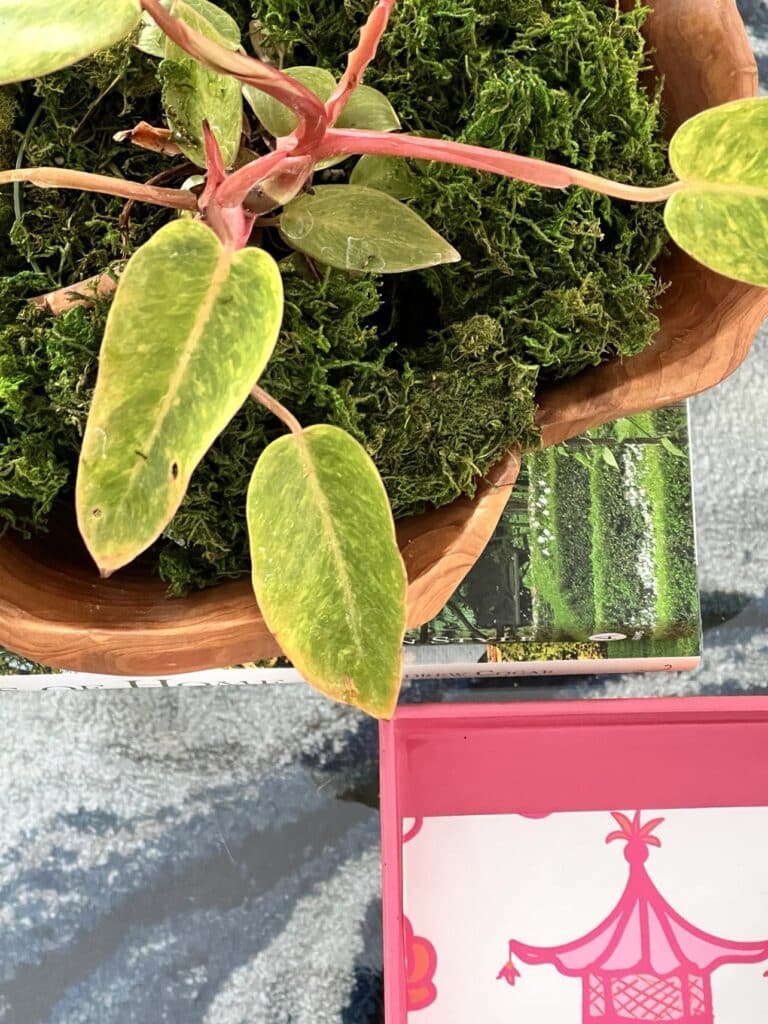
{"points": [[81, 294]]}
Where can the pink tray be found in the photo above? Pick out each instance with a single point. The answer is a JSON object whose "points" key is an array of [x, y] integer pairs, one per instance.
{"points": [[533, 759]]}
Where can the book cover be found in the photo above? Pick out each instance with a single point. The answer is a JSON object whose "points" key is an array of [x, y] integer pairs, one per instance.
{"points": [[591, 568]]}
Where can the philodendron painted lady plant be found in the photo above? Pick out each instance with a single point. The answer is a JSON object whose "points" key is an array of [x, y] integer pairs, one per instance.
{"points": [[198, 308]]}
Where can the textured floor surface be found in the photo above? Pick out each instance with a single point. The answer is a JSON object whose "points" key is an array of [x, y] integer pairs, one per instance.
{"points": [[211, 857]]}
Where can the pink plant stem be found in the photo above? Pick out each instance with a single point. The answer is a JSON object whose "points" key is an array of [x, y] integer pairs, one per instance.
{"points": [[264, 398], [307, 107], [58, 177], [216, 172], [619, 190], [237, 186], [359, 59], [508, 165]]}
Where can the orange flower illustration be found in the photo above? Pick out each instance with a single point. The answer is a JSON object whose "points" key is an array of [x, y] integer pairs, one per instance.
{"points": [[420, 967]]}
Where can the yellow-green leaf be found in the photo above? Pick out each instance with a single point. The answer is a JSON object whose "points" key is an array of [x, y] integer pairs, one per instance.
{"points": [[327, 572], [40, 36], [353, 227], [191, 94], [190, 330], [388, 174], [152, 40], [369, 108], [720, 217]]}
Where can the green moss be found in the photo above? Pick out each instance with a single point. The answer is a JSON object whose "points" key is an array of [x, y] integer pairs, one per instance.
{"points": [[434, 372], [568, 275], [68, 120], [47, 372], [8, 113]]}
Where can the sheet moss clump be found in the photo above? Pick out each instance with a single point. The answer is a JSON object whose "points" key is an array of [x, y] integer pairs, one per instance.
{"points": [[47, 373], [68, 120], [434, 372], [568, 276]]}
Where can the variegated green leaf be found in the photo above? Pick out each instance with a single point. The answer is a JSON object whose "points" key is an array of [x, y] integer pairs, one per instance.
{"points": [[327, 572], [153, 41], [192, 94], [190, 330], [388, 174], [40, 36], [353, 227], [721, 215]]}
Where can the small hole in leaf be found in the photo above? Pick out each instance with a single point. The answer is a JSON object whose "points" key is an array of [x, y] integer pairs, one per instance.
{"points": [[175, 470], [96, 513]]}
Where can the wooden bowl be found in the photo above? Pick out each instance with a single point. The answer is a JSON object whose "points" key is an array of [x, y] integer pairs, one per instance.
{"points": [[55, 609]]}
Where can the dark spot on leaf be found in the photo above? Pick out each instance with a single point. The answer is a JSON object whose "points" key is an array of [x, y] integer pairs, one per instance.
{"points": [[141, 455], [96, 513], [175, 470]]}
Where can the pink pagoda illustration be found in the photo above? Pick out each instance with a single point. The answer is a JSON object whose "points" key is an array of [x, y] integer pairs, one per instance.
{"points": [[644, 962]]}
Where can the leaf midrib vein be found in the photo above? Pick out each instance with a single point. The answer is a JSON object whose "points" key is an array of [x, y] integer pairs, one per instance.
{"points": [[328, 526], [218, 279], [702, 185]]}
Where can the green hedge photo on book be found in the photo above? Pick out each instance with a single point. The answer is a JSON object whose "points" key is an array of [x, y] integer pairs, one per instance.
{"points": [[594, 560]]}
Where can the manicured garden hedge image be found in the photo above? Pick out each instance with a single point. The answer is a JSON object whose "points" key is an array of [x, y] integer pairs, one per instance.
{"points": [[597, 539]]}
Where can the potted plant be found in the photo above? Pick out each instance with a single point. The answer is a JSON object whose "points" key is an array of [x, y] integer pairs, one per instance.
{"points": [[198, 309]]}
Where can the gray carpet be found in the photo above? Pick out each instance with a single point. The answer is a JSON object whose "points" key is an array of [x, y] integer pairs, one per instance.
{"points": [[211, 856]]}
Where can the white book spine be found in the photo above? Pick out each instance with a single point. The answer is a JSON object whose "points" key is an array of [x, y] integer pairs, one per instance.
{"points": [[262, 676]]}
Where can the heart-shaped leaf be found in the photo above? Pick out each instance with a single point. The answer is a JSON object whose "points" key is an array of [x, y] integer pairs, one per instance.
{"points": [[353, 227], [152, 40], [327, 572], [720, 217], [192, 94], [40, 36], [388, 174], [191, 328]]}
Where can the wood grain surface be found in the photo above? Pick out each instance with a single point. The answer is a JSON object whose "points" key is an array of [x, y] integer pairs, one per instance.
{"points": [[55, 609]]}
